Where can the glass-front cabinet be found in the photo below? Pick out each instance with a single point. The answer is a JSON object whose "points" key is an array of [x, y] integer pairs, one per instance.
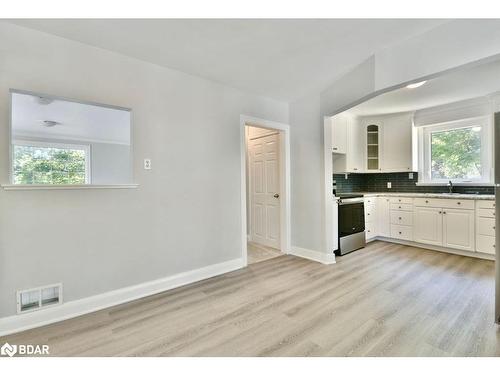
{"points": [[373, 147]]}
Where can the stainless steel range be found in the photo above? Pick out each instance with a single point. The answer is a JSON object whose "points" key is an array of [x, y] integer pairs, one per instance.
{"points": [[351, 222]]}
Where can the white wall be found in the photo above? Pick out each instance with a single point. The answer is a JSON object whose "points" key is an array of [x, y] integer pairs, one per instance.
{"points": [[185, 213], [445, 47], [306, 159]]}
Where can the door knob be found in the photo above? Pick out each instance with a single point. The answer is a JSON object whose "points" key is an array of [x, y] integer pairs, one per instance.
{"points": [[276, 195]]}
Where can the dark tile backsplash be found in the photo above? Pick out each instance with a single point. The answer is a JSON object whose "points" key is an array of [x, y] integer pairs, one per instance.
{"points": [[377, 182]]}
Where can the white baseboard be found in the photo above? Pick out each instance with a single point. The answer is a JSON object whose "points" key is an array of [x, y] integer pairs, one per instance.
{"points": [[312, 255], [18, 323]]}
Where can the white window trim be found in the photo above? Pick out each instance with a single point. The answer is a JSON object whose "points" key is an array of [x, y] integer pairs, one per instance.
{"points": [[69, 146], [424, 150]]}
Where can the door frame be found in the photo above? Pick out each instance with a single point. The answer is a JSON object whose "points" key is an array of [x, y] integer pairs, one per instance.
{"points": [[285, 221]]}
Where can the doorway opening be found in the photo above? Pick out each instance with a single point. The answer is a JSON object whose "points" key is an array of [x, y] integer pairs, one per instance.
{"points": [[265, 189]]}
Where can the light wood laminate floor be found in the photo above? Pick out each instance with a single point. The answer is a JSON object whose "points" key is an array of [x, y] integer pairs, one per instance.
{"points": [[384, 300], [258, 253]]}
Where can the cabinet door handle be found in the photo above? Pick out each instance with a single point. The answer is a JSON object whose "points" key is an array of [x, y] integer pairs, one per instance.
{"points": [[444, 212], [440, 212], [399, 218], [426, 201], [459, 203], [335, 148], [399, 232]]}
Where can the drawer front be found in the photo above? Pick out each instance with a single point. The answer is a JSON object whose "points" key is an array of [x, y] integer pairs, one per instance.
{"points": [[464, 204], [401, 207], [401, 200], [485, 204], [401, 232], [427, 202], [370, 200], [485, 226], [369, 213], [485, 244], [486, 212], [370, 230], [401, 217]]}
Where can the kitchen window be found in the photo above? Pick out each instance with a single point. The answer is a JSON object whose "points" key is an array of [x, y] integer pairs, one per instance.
{"points": [[45, 163], [458, 151]]}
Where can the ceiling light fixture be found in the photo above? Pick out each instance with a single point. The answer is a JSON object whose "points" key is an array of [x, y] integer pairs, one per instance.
{"points": [[50, 123], [415, 85], [43, 100]]}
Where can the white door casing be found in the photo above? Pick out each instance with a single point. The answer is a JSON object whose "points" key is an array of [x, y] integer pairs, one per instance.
{"points": [[265, 189]]}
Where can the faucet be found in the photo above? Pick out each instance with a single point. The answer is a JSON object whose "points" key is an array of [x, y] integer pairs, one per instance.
{"points": [[450, 187]]}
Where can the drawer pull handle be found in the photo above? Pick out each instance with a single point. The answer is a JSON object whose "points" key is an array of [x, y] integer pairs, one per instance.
{"points": [[399, 206], [493, 227], [399, 232], [399, 218], [459, 203], [426, 201]]}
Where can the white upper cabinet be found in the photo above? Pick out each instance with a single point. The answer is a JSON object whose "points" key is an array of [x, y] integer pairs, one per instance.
{"points": [[373, 145], [340, 124], [355, 149], [399, 144]]}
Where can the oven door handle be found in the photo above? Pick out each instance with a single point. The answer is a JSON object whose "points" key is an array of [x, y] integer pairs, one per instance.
{"points": [[351, 201]]}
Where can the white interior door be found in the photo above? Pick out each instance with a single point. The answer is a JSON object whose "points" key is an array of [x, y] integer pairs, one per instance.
{"points": [[265, 189]]}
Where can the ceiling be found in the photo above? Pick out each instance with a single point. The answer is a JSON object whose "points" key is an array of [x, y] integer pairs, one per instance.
{"points": [[281, 59], [76, 121], [460, 85]]}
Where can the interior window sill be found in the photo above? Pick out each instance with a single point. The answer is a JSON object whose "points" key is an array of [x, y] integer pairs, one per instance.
{"points": [[455, 184], [68, 187]]}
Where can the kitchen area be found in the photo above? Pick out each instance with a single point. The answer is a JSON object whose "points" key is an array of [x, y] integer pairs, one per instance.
{"points": [[415, 166]]}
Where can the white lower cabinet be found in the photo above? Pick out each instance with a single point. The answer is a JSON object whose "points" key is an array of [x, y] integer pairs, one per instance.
{"points": [[485, 244], [371, 218], [384, 216], [428, 225], [458, 229], [448, 227], [460, 224], [485, 227]]}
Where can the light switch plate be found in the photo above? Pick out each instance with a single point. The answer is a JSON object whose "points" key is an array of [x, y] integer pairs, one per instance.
{"points": [[410, 175], [147, 164], [389, 185]]}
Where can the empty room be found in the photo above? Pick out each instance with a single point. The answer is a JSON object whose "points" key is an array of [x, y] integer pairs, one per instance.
{"points": [[249, 187]]}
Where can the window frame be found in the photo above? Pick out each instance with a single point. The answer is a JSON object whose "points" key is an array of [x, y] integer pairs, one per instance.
{"points": [[425, 133], [86, 148]]}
